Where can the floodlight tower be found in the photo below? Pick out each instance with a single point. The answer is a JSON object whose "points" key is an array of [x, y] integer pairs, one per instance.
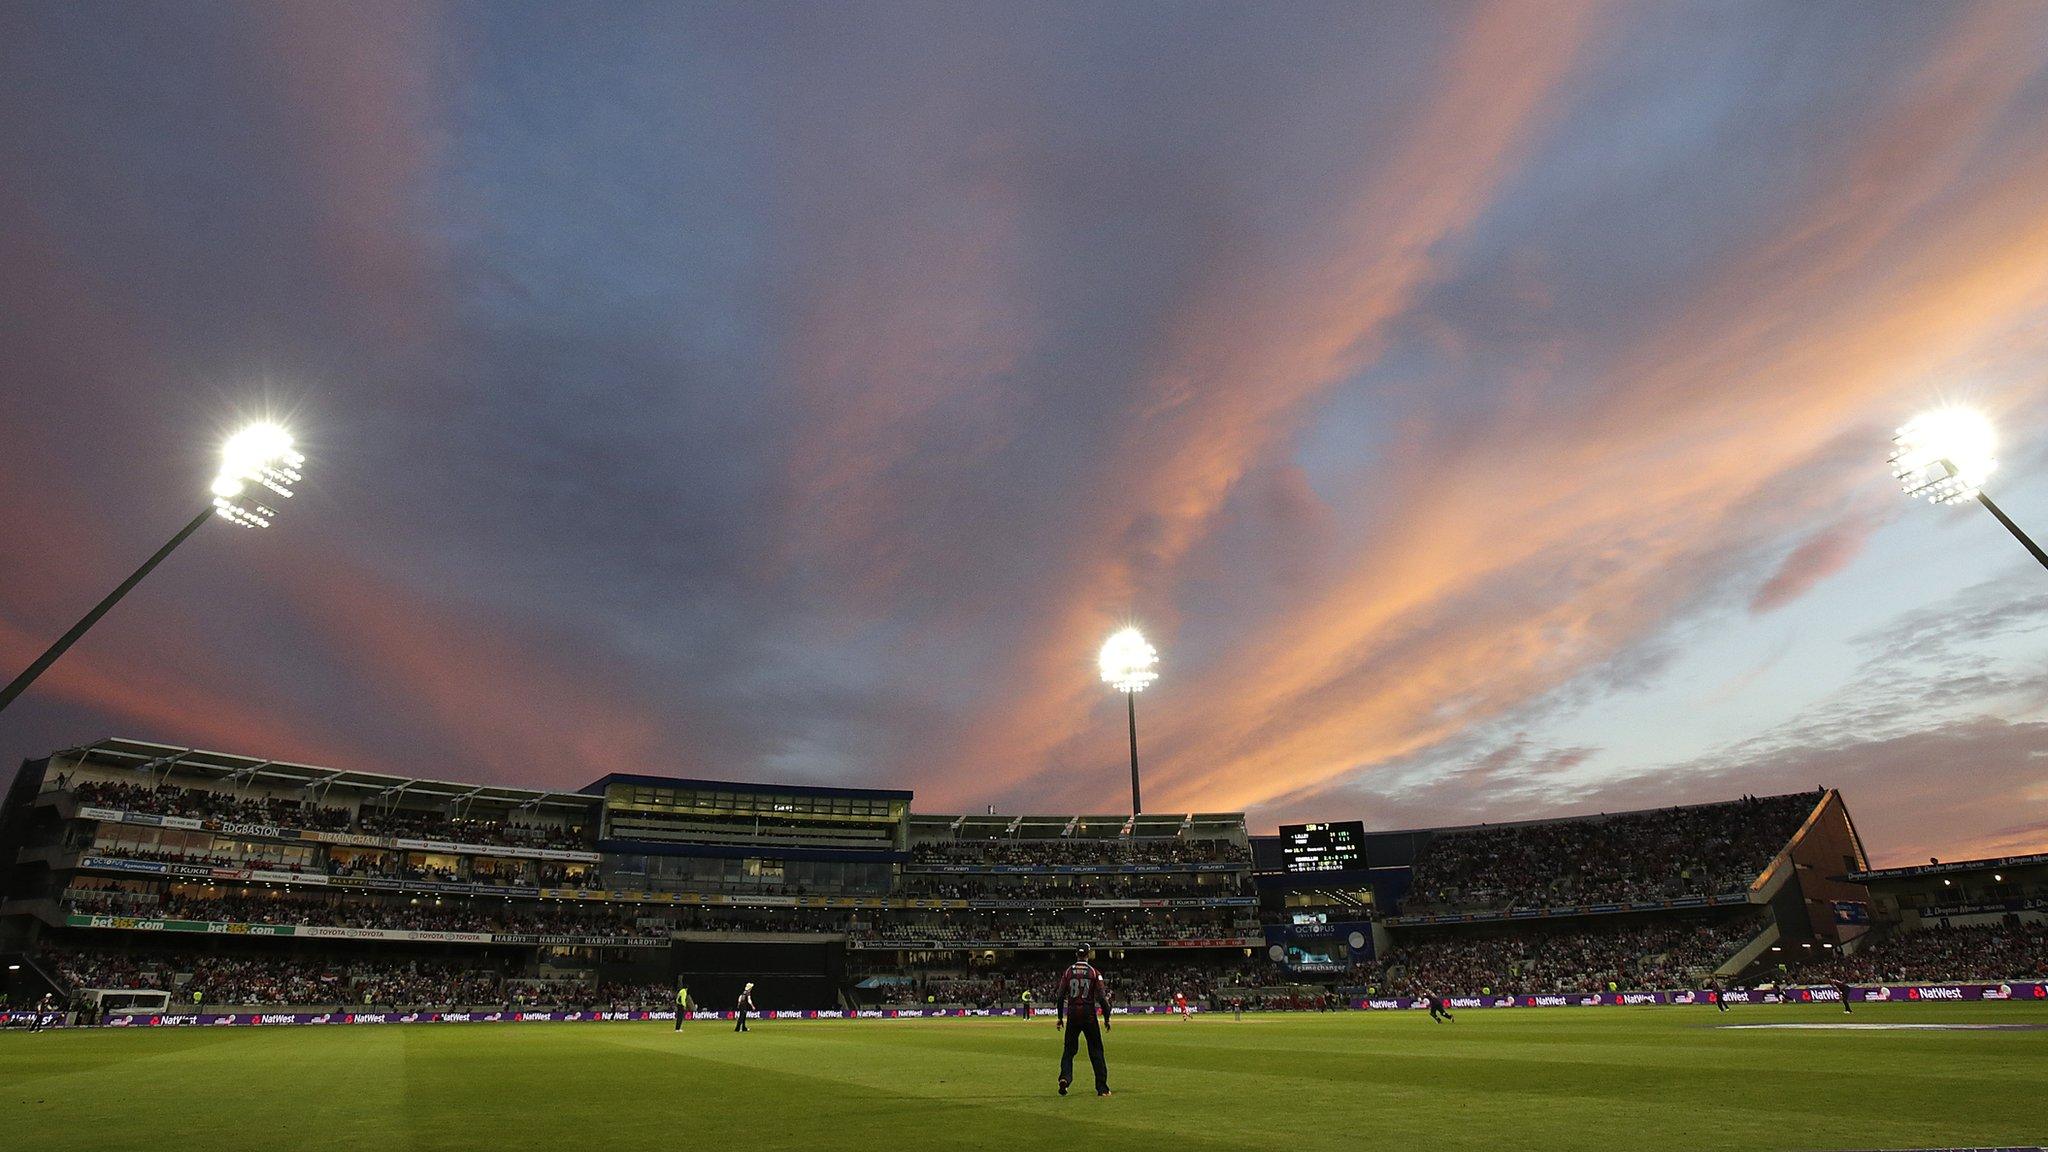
{"points": [[1128, 664], [258, 463], [1944, 456]]}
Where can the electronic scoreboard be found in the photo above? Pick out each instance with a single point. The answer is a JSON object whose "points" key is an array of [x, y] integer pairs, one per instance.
{"points": [[1335, 847]]}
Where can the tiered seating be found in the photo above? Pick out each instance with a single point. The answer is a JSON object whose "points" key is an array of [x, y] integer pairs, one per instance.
{"points": [[1991, 952], [200, 804], [1586, 957], [1637, 856]]}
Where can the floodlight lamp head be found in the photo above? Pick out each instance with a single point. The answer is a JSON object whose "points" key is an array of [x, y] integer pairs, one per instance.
{"points": [[259, 457], [1128, 662], [1944, 456]]}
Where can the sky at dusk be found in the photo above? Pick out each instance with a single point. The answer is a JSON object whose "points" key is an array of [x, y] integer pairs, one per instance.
{"points": [[1482, 407]]}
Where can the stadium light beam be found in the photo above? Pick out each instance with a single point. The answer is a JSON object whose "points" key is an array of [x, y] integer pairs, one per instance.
{"points": [[1129, 663], [257, 463], [1944, 457]]}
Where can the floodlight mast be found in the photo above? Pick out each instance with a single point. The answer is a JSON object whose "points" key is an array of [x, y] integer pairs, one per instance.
{"points": [[1128, 663], [1944, 457], [260, 455]]}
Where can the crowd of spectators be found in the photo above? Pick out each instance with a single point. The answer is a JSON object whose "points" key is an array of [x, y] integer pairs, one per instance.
{"points": [[1100, 926], [293, 981], [389, 866], [458, 914], [202, 859], [219, 981], [422, 915], [199, 804], [1081, 851], [204, 804], [1663, 953], [1131, 981], [623, 997], [1703, 850], [1082, 886], [2007, 951], [384, 865], [462, 830]]}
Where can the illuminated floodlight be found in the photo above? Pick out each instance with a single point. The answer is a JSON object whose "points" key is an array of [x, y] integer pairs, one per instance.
{"points": [[1128, 664], [258, 461], [1944, 456], [256, 464], [1128, 661]]}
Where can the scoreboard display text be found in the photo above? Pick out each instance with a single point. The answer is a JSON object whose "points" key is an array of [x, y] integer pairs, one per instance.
{"points": [[1323, 847]]}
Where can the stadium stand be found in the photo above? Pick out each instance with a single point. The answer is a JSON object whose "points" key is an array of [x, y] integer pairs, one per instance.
{"points": [[1994, 952], [1595, 955], [170, 800], [1668, 853], [129, 867]]}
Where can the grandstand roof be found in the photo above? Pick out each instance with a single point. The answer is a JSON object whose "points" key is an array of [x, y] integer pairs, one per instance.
{"points": [[141, 754], [1950, 867], [1591, 817]]}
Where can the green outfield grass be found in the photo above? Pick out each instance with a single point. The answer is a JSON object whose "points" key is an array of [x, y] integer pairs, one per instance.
{"points": [[1630, 1078]]}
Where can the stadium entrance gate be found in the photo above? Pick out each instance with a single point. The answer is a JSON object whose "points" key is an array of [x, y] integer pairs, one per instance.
{"points": [[789, 972]]}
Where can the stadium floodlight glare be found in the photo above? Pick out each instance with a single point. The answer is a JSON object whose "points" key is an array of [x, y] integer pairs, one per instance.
{"points": [[259, 458], [259, 455], [1129, 663], [1944, 457]]}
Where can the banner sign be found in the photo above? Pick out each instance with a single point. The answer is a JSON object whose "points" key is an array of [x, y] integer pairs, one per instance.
{"points": [[143, 819], [1876, 994], [2001, 863], [581, 941], [1993, 908], [1570, 910], [341, 932], [152, 924], [1921, 993], [338, 932], [1148, 902], [162, 868], [348, 1016]]}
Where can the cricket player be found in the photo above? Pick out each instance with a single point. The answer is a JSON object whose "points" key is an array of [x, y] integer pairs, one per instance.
{"points": [[745, 1006], [1082, 994], [1180, 1005], [682, 1005], [1440, 1008]]}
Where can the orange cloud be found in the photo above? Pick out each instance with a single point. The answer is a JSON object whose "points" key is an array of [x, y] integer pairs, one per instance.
{"points": [[1541, 541]]}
